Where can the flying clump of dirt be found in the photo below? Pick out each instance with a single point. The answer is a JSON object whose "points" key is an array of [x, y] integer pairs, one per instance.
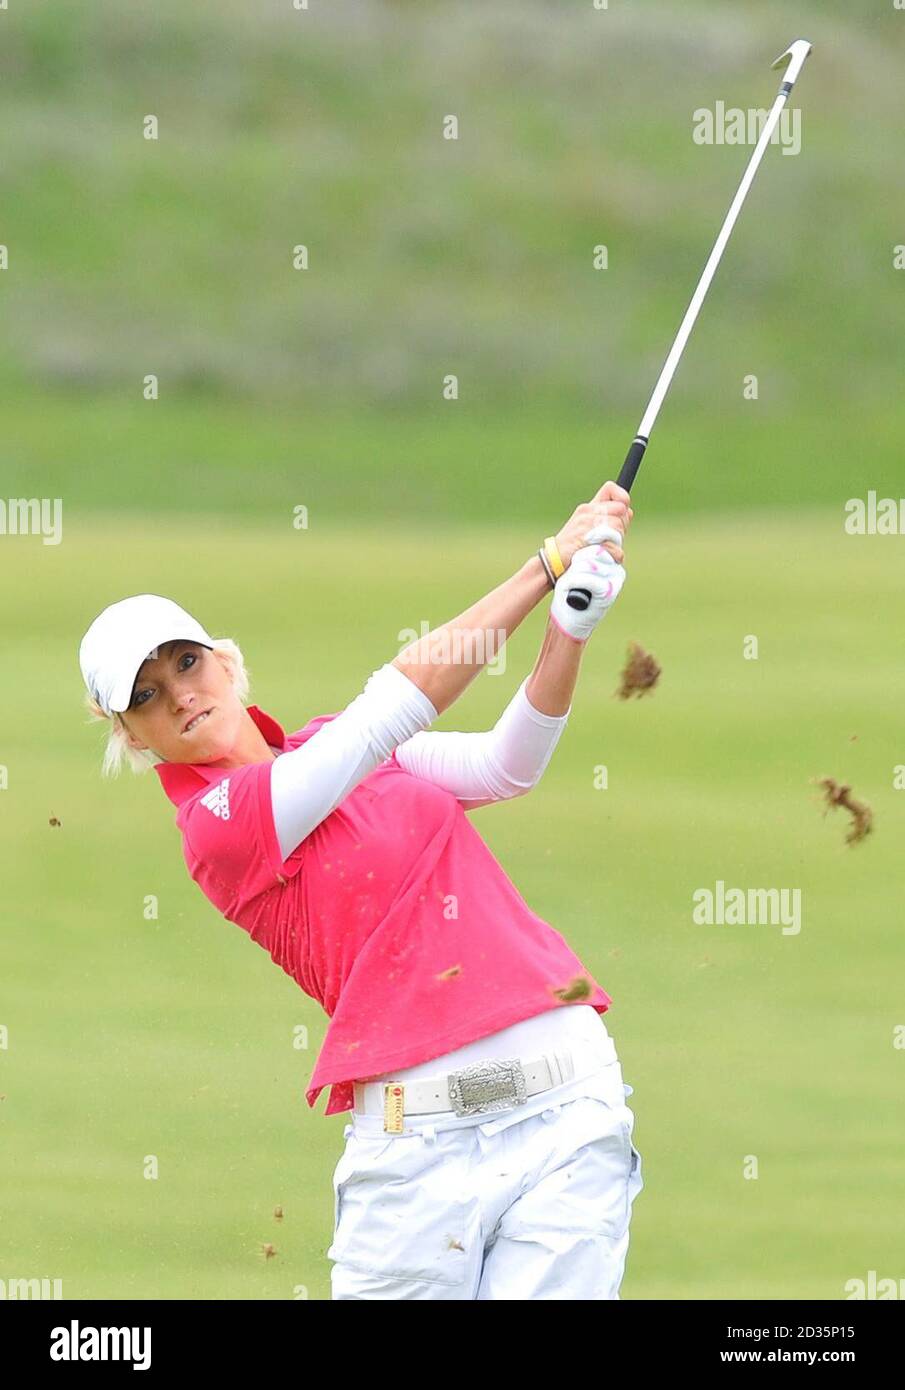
{"points": [[838, 794], [640, 673]]}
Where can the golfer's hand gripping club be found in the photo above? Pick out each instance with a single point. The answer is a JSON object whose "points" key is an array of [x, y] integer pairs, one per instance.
{"points": [[580, 598], [601, 578]]}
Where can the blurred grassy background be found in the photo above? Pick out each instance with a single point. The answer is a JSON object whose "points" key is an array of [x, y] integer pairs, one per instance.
{"points": [[323, 388], [428, 256]]}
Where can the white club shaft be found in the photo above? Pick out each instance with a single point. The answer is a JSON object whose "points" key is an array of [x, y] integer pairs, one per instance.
{"points": [[694, 308]]}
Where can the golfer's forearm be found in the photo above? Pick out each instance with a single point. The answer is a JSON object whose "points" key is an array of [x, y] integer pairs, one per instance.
{"points": [[447, 659], [552, 682]]}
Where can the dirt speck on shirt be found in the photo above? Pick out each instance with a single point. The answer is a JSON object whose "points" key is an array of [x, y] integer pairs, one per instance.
{"points": [[577, 988]]}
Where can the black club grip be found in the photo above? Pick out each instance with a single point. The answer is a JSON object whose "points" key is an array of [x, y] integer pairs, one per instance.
{"points": [[580, 598], [632, 462]]}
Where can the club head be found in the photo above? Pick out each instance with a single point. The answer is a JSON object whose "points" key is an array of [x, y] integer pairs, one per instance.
{"points": [[793, 59]]}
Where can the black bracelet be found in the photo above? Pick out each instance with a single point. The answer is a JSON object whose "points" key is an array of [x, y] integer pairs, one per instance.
{"points": [[542, 556]]}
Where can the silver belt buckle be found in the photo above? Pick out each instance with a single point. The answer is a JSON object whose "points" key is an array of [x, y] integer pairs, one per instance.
{"points": [[497, 1084]]}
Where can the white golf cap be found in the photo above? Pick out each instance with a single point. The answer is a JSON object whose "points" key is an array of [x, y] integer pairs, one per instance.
{"points": [[125, 635]]}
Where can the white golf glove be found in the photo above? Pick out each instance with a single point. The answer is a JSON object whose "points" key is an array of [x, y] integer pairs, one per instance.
{"points": [[594, 570]]}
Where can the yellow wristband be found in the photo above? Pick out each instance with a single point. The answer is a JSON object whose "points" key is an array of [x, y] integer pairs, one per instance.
{"points": [[552, 552]]}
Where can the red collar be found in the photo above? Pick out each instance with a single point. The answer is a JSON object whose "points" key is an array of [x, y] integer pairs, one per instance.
{"points": [[182, 780]]}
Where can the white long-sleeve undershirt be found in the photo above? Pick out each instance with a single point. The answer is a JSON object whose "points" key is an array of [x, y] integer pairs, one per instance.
{"points": [[501, 762], [310, 781]]}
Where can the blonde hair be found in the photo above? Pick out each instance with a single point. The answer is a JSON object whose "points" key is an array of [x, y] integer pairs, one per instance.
{"points": [[119, 751]]}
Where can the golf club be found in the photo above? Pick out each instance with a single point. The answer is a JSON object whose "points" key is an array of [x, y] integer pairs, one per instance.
{"points": [[793, 61]]}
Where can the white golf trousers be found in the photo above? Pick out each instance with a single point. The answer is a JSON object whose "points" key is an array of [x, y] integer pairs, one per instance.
{"points": [[537, 1210]]}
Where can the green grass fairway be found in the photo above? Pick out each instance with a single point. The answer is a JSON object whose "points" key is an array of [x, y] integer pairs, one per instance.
{"points": [[174, 1038]]}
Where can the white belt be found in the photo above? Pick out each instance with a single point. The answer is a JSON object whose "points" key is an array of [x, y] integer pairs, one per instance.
{"points": [[494, 1083]]}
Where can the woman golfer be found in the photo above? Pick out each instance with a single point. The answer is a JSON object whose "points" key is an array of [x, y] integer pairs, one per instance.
{"points": [[489, 1154]]}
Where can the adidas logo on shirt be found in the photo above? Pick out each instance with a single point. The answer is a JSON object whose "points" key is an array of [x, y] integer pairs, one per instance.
{"points": [[217, 799]]}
